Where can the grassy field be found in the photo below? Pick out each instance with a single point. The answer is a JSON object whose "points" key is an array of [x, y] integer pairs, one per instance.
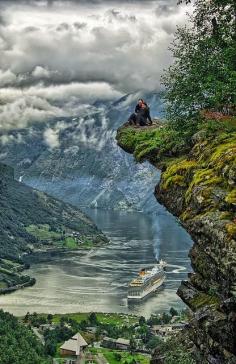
{"points": [[70, 243], [112, 356], [116, 357], [42, 232], [107, 318]]}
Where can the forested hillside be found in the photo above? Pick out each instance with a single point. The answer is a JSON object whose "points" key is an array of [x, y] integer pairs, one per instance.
{"points": [[18, 344], [32, 221]]}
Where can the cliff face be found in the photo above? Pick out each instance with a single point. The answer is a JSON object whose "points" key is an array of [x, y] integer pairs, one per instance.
{"points": [[198, 186]]}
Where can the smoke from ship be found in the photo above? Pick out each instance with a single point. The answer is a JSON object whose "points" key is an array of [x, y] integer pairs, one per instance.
{"points": [[156, 230]]}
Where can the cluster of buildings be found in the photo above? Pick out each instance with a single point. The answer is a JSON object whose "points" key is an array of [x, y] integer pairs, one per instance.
{"points": [[167, 330], [74, 350], [74, 234]]}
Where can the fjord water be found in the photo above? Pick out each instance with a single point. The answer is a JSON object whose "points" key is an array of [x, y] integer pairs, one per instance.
{"points": [[96, 280]]}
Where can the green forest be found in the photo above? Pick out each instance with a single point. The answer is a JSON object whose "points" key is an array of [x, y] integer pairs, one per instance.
{"points": [[18, 344]]}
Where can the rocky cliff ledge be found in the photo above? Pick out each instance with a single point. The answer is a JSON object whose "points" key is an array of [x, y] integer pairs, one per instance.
{"points": [[198, 186]]}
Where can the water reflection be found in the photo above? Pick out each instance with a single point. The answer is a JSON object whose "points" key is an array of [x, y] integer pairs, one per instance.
{"points": [[97, 280]]}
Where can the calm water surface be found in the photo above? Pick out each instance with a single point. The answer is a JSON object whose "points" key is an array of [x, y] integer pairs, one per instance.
{"points": [[97, 280]]}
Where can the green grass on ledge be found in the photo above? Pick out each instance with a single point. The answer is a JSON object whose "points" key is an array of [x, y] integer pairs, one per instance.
{"points": [[151, 142]]}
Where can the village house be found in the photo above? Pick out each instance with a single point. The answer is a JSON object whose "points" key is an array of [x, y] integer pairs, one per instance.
{"points": [[74, 234], [74, 347], [91, 329], [166, 330], [121, 344], [45, 327], [108, 342]]}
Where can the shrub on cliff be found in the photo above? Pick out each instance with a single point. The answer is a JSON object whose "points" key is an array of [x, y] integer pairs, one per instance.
{"points": [[174, 351]]}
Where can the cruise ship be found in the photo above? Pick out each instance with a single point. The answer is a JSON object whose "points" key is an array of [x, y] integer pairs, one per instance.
{"points": [[148, 280]]}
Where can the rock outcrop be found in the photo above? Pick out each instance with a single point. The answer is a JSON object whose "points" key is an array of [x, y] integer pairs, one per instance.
{"points": [[198, 186]]}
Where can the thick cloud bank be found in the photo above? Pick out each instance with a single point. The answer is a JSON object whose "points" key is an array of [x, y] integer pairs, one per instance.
{"points": [[57, 55]]}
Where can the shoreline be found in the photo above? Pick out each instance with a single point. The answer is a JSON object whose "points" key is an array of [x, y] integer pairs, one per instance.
{"points": [[39, 256]]}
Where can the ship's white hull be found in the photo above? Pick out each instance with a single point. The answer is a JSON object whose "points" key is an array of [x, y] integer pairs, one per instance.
{"points": [[147, 291]]}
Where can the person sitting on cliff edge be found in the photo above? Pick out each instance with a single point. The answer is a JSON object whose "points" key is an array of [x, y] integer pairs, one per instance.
{"points": [[144, 115], [141, 114]]}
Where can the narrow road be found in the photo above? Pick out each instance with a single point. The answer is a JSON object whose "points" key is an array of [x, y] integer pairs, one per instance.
{"points": [[41, 338]]}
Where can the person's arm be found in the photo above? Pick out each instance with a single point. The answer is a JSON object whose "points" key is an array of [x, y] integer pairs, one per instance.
{"points": [[148, 115], [137, 108]]}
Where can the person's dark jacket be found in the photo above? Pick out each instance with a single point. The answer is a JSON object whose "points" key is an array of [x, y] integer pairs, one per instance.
{"points": [[138, 108], [144, 115]]}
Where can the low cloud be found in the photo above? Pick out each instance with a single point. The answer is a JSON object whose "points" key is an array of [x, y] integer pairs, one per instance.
{"points": [[20, 111], [9, 138], [55, 59], [40, 72], [51, 138], [39, 103], [7, 78]]}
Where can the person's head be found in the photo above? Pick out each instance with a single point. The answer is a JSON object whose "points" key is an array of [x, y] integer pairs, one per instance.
{"points": [[140, 102], [143, 106]]}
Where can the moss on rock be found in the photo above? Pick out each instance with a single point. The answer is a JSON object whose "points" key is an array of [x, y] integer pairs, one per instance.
{"points": [[231, 229], [231, 197], [202, 299], [152, 143], [177, 173]]}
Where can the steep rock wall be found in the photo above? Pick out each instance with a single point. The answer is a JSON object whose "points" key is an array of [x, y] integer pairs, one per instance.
{"points": [[198, 186]]}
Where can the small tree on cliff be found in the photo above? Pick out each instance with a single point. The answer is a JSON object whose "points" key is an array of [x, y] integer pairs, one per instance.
{"points": [[203, 74]]}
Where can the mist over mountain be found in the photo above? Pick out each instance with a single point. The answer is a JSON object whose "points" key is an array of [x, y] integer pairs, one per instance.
{"points": [[77, 159], [70, 74]]}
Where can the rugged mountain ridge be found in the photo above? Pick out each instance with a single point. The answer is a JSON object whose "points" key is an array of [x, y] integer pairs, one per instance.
{"points": [[198, 186], [31, 222]]}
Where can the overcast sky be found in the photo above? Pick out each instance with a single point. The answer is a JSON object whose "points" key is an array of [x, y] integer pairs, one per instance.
{"points": [[57, 55]]}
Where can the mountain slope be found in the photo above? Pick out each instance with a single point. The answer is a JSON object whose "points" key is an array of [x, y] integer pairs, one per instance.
{"points": [[77, 158], [198, 185], [32, 221]]}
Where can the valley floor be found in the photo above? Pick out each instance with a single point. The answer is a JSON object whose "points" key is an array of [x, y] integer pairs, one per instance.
{"points": [[101, 331]]}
